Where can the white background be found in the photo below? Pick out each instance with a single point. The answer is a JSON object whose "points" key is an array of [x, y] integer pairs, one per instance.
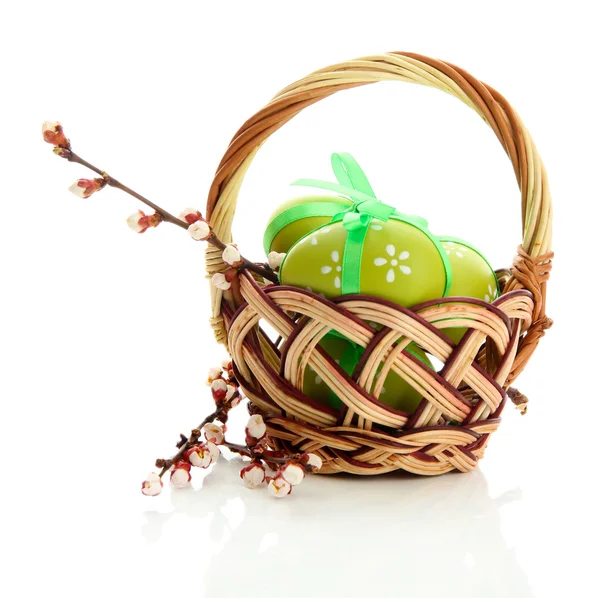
{"points": [[105, 340]]}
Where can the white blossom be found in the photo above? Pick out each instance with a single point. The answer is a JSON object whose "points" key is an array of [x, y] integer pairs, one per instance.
{"points": [[140, 222], [180, 477], [292, 473], [52, 132], [50, 126], [253, 475], [219, 281], [133, 222], [152, 485], [86, 187], [213, 433], [256, 427], [274, 259], [219, 385], [199, 456], [314, 461], [214, 374], [199, 230], [214, 450], [190, 215], [232, 255], [75, 189], [219, 389], [278, 487]]}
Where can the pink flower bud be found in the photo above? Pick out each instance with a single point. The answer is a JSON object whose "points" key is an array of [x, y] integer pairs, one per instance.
{"points": [[190, 215], [180, 475], [220, 281], [292, 473], [219, 389], [279, 487], [256, 429], [140, 222], [214, 374], [52, 132], [253, 475], [274, 259], [199, 455], [312, 461], [214, 450], [199, 230], [152, 485], [86, 187], [213, 433], [232, 255]]}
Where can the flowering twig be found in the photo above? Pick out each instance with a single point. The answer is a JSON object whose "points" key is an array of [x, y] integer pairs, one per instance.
{"points": [[289, 470], [112, 182], [53, 133], [266, 455], [195, 434], [226, 396]]}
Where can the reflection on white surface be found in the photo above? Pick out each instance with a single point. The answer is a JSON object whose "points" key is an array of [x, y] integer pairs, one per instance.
{"points": [[350, 536], [523, 526]]}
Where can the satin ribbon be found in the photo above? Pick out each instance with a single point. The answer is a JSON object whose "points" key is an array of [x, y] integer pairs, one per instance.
{"points": [[353, 184], [348, 360], [356, 221], [306, 210]]}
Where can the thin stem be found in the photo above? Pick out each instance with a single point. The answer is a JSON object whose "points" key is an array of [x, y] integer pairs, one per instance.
{"points": [[195, 435], [240, 449], [264, 454], [168, 217]]}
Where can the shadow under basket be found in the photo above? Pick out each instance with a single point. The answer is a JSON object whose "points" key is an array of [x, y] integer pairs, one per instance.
{"points": [[463, 400]]}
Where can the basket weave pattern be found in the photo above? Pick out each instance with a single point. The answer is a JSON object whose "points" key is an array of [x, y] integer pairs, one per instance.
{"points": [[462, 402]]}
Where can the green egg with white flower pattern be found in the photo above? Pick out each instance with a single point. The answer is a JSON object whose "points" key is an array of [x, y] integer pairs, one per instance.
{"points": [[295, 218], [395, 393], [400, 261], [472, 276]]}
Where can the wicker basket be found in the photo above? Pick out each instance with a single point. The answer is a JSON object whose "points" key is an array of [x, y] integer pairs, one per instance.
{"points": [[462, 402]]}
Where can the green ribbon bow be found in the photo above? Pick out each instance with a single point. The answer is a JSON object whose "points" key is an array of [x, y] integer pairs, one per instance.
{"points": [[353, 183]]}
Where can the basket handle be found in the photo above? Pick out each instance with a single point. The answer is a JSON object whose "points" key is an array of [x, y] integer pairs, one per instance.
{"points": [[532, 264]]}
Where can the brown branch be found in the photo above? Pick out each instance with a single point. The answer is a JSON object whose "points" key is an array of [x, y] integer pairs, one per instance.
{"points": [[255, 453], [112, 182], [71, 156], [262, 454], [166, 464]]}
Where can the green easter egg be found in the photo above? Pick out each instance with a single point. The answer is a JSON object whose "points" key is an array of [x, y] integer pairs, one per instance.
{"points": [[396, 392], [400, 261], [472, 276], [297, 217]]}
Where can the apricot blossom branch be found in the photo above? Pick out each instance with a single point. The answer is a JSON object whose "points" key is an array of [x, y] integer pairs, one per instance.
{"points": [[190, 219], [288, 470]]}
